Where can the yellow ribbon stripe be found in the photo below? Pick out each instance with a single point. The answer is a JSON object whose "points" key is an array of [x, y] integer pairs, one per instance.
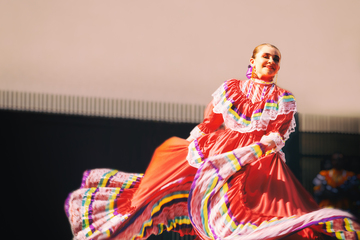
{"points": [[157, 208], [205, 207], [86, 204], [340, 235], [112, 197], [329, 228], [234, 161], [127, 184], [348, 225], [165, 200], [104, 180], [288, 98], [256, 150]]}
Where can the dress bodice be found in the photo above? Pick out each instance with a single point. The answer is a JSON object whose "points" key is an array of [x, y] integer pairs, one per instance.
{"points": [[256, 90], [250, 110]]}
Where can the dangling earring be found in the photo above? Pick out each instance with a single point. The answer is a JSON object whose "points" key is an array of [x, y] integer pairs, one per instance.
{"points": [[249, 72], [253, 73]]}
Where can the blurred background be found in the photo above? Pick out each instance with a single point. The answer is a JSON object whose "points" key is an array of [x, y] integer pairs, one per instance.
{"points": [[100, 84]]}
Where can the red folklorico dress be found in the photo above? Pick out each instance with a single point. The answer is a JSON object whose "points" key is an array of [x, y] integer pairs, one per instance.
{"points": [[220, 186]]}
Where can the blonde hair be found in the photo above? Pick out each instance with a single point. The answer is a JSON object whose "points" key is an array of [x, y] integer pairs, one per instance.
{"points": [[258, 48]]}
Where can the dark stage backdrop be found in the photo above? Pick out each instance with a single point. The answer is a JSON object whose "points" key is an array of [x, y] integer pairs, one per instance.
{"points": [[45, 155]]}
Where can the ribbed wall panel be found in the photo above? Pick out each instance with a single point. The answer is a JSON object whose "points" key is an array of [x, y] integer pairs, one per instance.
{"points": [[322, 144], [144, 110], [103, 107], [329, 124]]}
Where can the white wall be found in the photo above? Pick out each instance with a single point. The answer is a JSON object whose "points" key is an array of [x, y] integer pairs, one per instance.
{"points": [[180, 51]]}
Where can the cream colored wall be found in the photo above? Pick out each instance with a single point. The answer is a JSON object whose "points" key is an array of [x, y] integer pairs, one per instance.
{"points": [[180, 51]]}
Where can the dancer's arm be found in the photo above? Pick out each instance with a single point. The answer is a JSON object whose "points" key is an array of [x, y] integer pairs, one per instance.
{"points": [[212, 121]]}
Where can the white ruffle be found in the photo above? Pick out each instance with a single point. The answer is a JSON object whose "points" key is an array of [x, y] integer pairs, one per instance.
{"points": [[194, 156], [248, 154], [274, 136], [196, 133], [222, 106], [291, 128]]}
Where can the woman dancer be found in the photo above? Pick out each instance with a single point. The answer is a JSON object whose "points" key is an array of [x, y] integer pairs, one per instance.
{"points": [[218, 184]]}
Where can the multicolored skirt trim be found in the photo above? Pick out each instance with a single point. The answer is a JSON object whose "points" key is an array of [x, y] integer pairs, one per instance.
{"points": [[102, 203], [212, 215], [102, 207]]}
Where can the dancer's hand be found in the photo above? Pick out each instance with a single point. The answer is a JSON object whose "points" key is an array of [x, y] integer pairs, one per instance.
{"points": [[268, 144]]}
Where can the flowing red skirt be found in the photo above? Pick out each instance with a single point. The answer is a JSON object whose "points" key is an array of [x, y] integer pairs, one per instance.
{"points": [[267, 189], [258, 192]]}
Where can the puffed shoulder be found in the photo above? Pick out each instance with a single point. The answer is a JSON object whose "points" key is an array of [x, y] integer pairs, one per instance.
{"points": [[284, 94]]}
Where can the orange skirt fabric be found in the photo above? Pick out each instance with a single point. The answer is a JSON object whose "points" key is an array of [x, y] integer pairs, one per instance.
{"points": [[118, 205]]}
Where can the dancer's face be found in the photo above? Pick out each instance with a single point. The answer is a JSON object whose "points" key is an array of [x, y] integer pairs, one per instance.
{"points": [[266, 63]]}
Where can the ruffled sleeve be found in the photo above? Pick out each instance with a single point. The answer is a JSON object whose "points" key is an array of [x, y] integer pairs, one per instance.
{"points": [[283, 124], [212, 121]]}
